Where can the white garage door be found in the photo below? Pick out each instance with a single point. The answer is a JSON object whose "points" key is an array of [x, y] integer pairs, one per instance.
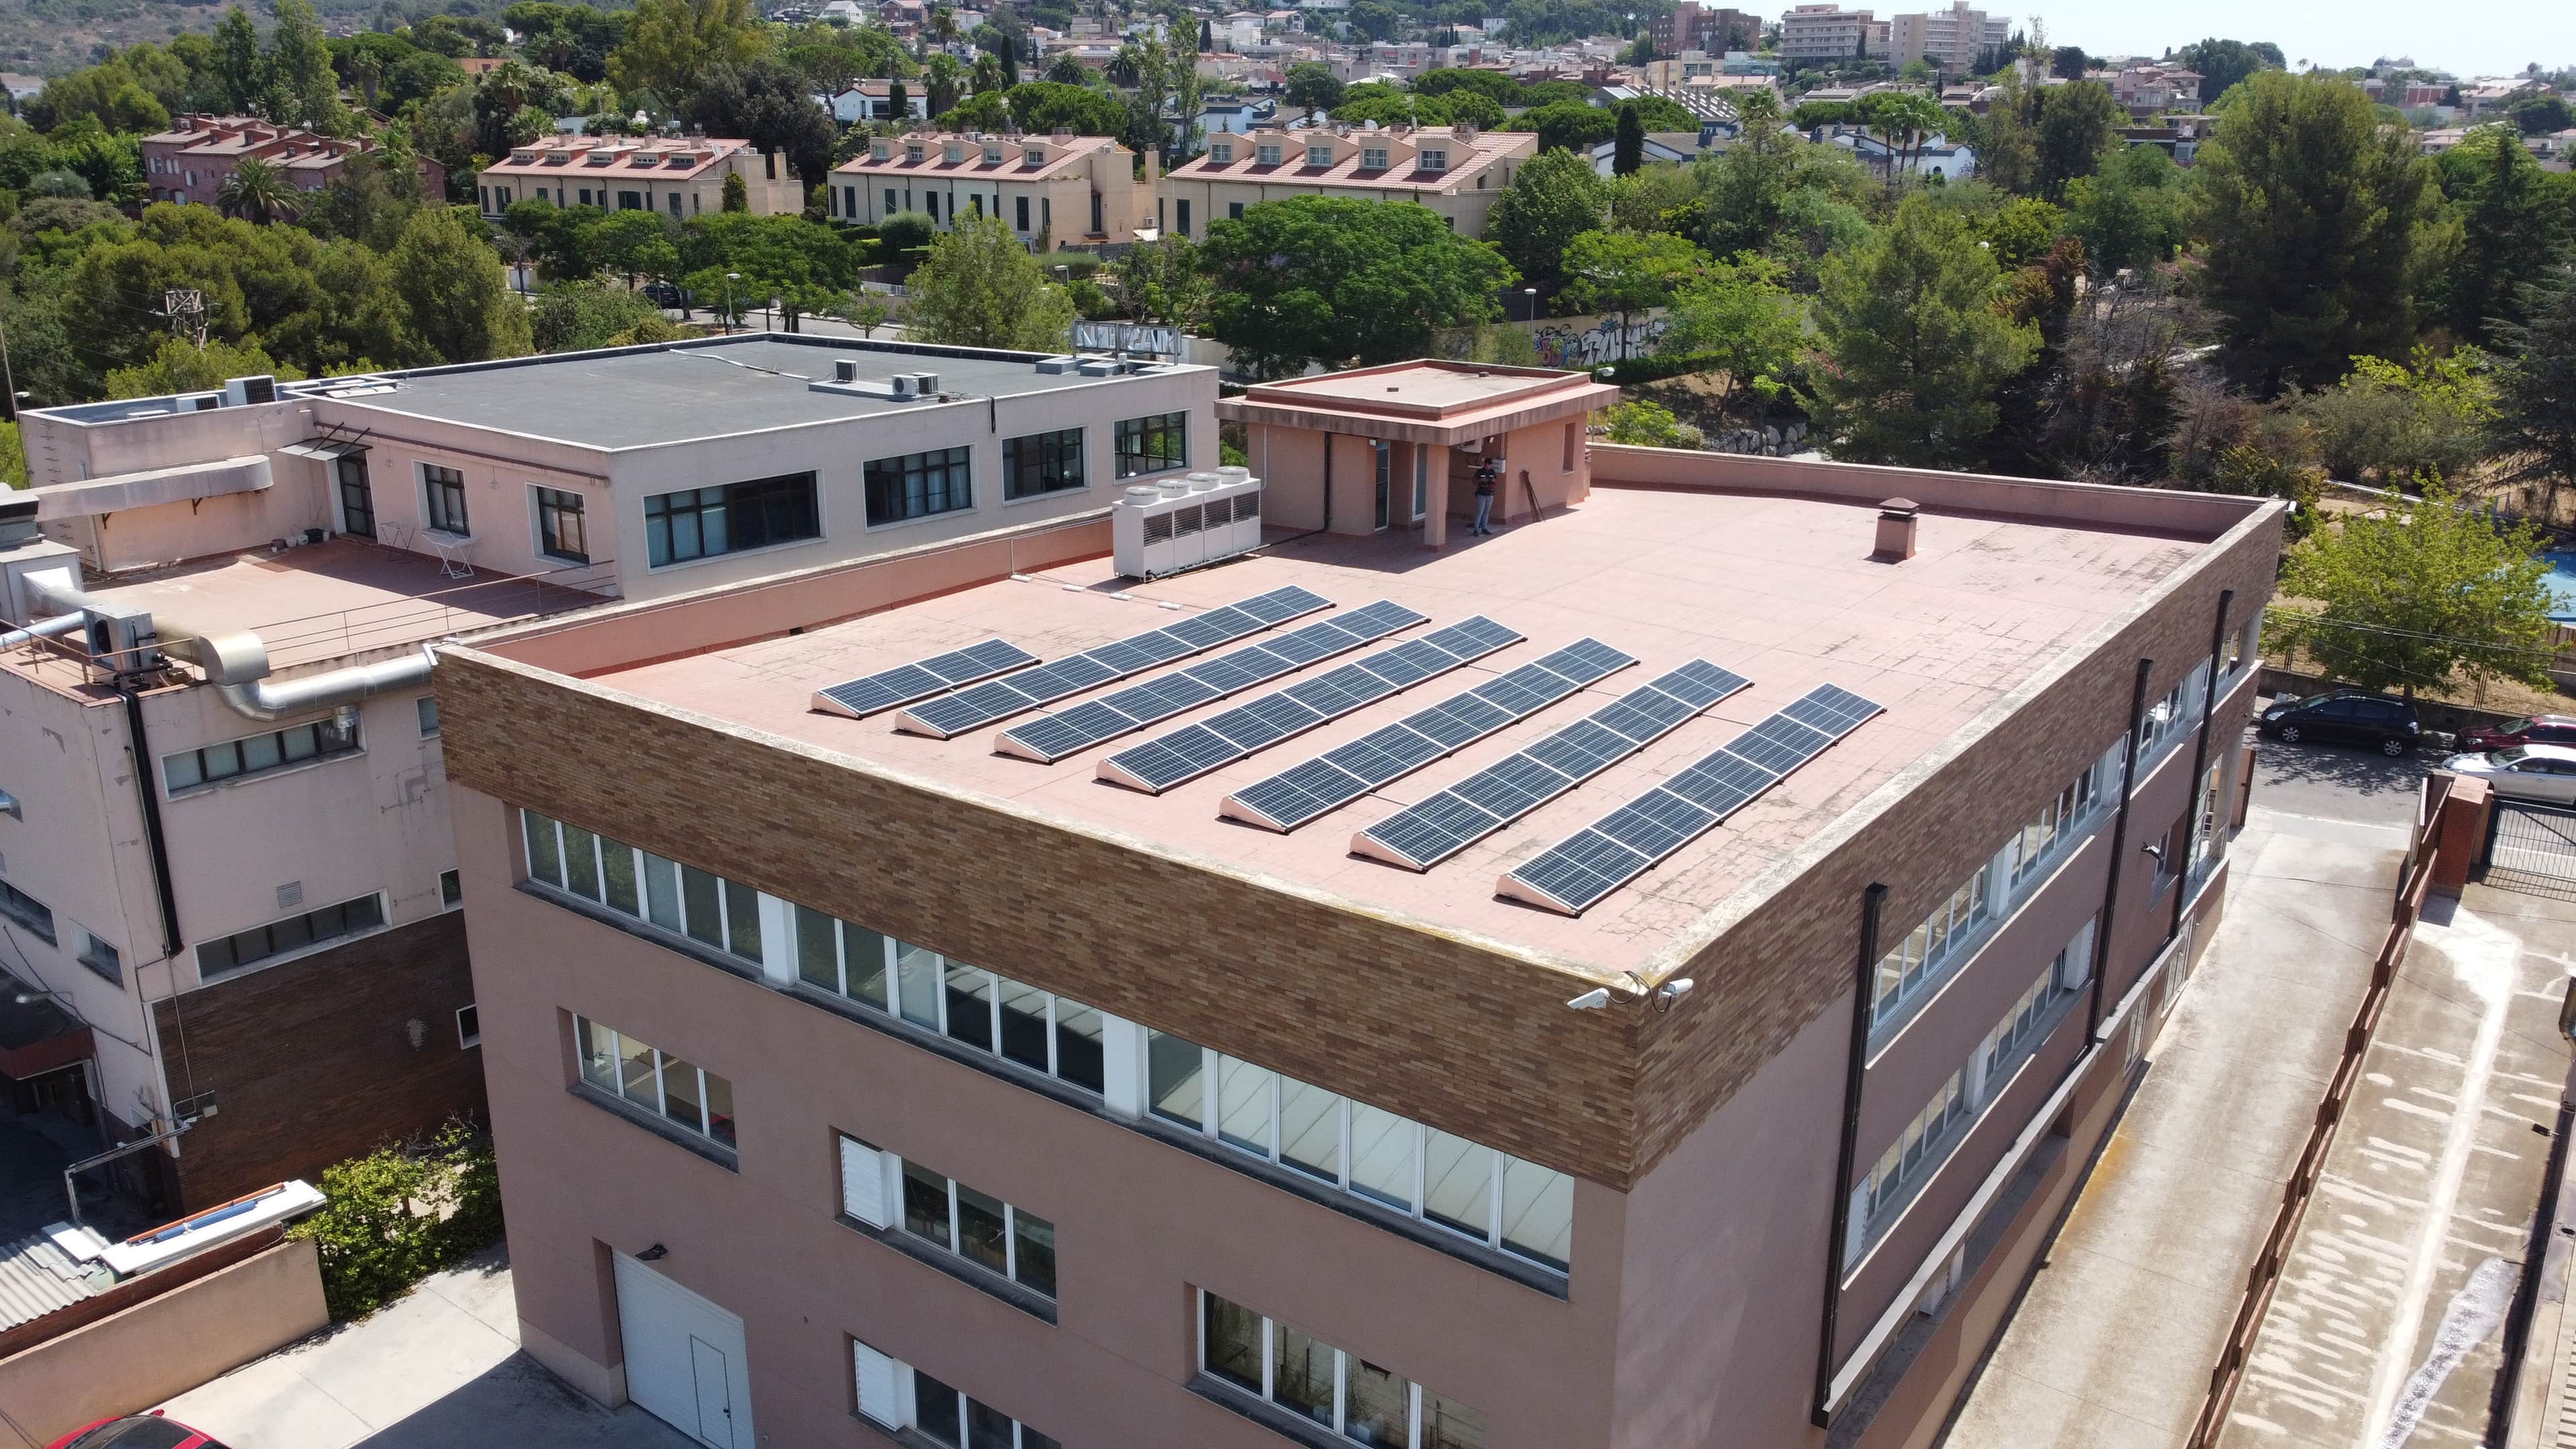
{"points": [[684, 1359]]}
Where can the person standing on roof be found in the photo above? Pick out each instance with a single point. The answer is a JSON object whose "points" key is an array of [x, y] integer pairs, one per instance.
{"points": [[1486, 474]]}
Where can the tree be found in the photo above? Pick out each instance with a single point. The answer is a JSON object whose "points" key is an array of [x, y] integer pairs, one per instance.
{"points": [[2386, 423], [2130, 213], [2222, 63], [1556, 195], [769, 105], [1312, 87], [1740, 317], [1067, 71], [1627, 272], [2068, 62], [1912, 349], [2076, 123], [2536, 386], [452, 287], [942, 79], [2514, 220], [299, 69], [1374, 19], [1041, 107], [1207, 37], [1332, 279], [1573, 125], [2310, 215], [670, 43], [1647, 425], [1163, 283], [2425, 592], [1629, 151], [181, 367], [257, 191], [579, 316], [1902, 121], [737, 195], [239, 77], [898, 101], [981, 288], [2541, 115], [866, 311]]}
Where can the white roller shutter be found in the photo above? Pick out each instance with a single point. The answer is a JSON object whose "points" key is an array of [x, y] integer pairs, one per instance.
{"points": [[863, 1183], [876, 1379]]}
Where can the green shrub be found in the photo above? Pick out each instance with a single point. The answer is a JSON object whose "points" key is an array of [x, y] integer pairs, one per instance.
{"points": [[1655, 369], [400, 1213]]}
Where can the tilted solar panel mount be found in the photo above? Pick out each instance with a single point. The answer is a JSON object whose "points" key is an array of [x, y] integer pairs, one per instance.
{"points": [[1338, 776], [1423, 835], [903, 684], [1219, 740], [1051, 737], [951, 715], [1570, 876]]}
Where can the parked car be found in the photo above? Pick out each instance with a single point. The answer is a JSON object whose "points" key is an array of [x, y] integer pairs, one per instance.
{"points": [[2346, 717], [2538, 729], [2546, 773], [136, 1431], [663, 294]]}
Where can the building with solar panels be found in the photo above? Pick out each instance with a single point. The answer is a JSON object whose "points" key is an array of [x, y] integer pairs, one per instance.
{"points": [[1650, 977]]}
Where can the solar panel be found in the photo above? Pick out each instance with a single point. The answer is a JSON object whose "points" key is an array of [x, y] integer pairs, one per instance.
{"points": [[903, 684], [1285, 800], [1591, 863], [1427, 734], [1428, 833], [948, 716], [1265, 721], [1159, 699]]}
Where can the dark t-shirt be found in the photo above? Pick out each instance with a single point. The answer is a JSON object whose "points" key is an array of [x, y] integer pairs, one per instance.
{"points": [[1485, 482]]}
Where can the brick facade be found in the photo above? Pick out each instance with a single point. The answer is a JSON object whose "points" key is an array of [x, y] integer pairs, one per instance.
{"points": [[312, 1062]]}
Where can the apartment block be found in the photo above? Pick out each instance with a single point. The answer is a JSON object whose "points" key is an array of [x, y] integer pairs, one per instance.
{"points": [[1825, 34], [1059, 187], [189, 162], [1951, 39], [1457, 171], [1688, 27], [1647, 978], [225, 853], [681, 175]]}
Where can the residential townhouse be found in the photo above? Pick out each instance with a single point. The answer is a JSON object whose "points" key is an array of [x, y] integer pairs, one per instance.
{"points": [[189, 162], [683, 176], [1457, 171], [1055, 188]]}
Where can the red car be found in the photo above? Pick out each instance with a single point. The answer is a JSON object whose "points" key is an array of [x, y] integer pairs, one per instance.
{"points": [[2538, 729], [135, 1431]]}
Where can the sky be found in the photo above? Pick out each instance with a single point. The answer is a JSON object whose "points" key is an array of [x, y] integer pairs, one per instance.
{"points": [[2475, 38]]}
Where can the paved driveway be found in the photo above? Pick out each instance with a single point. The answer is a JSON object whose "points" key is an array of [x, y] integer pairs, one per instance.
{"points": [[438, 1369]]}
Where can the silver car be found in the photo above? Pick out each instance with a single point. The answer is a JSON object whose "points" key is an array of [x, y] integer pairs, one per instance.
{"points": [[2546, 773]]}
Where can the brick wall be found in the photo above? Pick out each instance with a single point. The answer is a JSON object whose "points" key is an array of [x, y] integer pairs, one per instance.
{"points": [[312, 1062]]}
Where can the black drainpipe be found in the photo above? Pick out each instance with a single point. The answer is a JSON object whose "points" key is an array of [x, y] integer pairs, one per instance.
{"points": [[2200, 756], [1328, 485], [153, 839], [1872, 902], [2119, 851]]}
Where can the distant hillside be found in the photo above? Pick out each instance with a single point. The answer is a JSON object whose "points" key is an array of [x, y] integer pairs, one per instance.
{"points": [[48, 37]]}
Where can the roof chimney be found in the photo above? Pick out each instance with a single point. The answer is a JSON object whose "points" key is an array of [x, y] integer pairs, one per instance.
{"points": [[1895, 531]]}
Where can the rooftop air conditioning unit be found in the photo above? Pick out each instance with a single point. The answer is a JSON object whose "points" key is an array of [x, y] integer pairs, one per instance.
{"points": [[925, 384], [1163, 528], [244, 390], [122, 642], [903, 384]]}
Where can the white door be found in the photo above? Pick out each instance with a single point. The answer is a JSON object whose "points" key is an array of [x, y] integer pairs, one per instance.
{"points": [[684, 1357]]}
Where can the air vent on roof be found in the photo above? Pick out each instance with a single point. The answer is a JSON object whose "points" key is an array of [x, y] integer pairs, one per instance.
{"points": [[242, 390], [1163, 529], [845, 369]]}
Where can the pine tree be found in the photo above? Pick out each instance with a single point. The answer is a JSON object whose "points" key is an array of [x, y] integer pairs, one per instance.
{"points": [[1628, 147]]}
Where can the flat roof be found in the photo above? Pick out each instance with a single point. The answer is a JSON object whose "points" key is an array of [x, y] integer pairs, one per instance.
{"points": [[1778, 589], [645, 396]]}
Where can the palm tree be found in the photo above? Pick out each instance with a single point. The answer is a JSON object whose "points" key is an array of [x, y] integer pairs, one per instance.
{"points": [[1126, 68], [257, 191]]}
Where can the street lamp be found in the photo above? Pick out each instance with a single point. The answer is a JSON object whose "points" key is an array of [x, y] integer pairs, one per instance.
{"points": [[1532, 294], [730, 279]]}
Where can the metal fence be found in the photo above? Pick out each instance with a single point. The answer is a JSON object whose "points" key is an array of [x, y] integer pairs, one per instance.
{"points": [[2530, 849]]}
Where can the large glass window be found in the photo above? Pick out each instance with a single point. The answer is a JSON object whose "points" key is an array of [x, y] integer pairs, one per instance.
{"points": [[687, 1095], [718, 913], [1463, 1186], [443, 491], [1918, 957], [1042, 463], [1337, 1391], [918, 485], [294, 933], [562, 530], [704, 522], [933, 1409], [1153, 445], [975, 1226], [27, 911], [294, 745]]}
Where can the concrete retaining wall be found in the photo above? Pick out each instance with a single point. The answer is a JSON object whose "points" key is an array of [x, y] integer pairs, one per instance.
{"points": [[166, 1344]]}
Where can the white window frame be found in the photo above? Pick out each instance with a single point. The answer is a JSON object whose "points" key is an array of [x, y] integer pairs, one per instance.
{"points": [[1340, 1425], [642, 876], [420, 472], [891, 1217], [902, 1411], [662, 1059], [467, 1040]]}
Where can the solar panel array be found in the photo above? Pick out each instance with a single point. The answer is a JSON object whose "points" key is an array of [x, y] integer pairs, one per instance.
{"points": [[1221, 739], [1601, 857], [952, 715], [1426, 834], [902, 685], [1050, 738], [1338, 776]]}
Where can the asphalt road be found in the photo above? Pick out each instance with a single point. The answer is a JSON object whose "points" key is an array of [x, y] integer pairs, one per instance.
{"points": [[2339, 782]]}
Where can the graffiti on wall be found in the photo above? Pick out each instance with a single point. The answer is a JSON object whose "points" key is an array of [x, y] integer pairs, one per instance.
{"points": [[1562, 345]]}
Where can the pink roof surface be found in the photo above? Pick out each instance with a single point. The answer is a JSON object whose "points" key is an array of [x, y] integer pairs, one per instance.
{"points": [[1777, 589]]}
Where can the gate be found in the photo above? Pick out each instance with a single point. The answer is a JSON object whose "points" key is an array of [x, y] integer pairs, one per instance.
{"points": [[2531, 849]]}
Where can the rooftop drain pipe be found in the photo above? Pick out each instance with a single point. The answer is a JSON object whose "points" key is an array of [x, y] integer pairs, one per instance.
{"points": [[43, 629]]}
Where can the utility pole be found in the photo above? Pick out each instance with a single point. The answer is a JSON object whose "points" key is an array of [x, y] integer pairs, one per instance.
{"points": [[186, 309], [8, 382]]}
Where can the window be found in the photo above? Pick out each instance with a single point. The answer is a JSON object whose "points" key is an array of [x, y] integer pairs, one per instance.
{"points": [[2023, 1020], [1265, 155], [2054, 823], [426, 708], [1034, 157], [451, 890], [1234, 211], [912, 153], [445, 490], [899, 1396], [1573, 443], [1153, 445], [101, 958], [1221, 153], [1917, 960], [258, 754], [27, 911], [312, 928], [686, 1095], [1419, 1171], [1020, 216], [1372, 158], [1046, 1033], [885, 1191], [1434, 159], [737, 517], [630, 201], [560, 533], [1181, 214], [1042, 463], [1339, 1392], [469, 1027], [2173, 714], [891, 206], [1319, 156], [1917, 1150], [918, 485], [683, 900]]}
